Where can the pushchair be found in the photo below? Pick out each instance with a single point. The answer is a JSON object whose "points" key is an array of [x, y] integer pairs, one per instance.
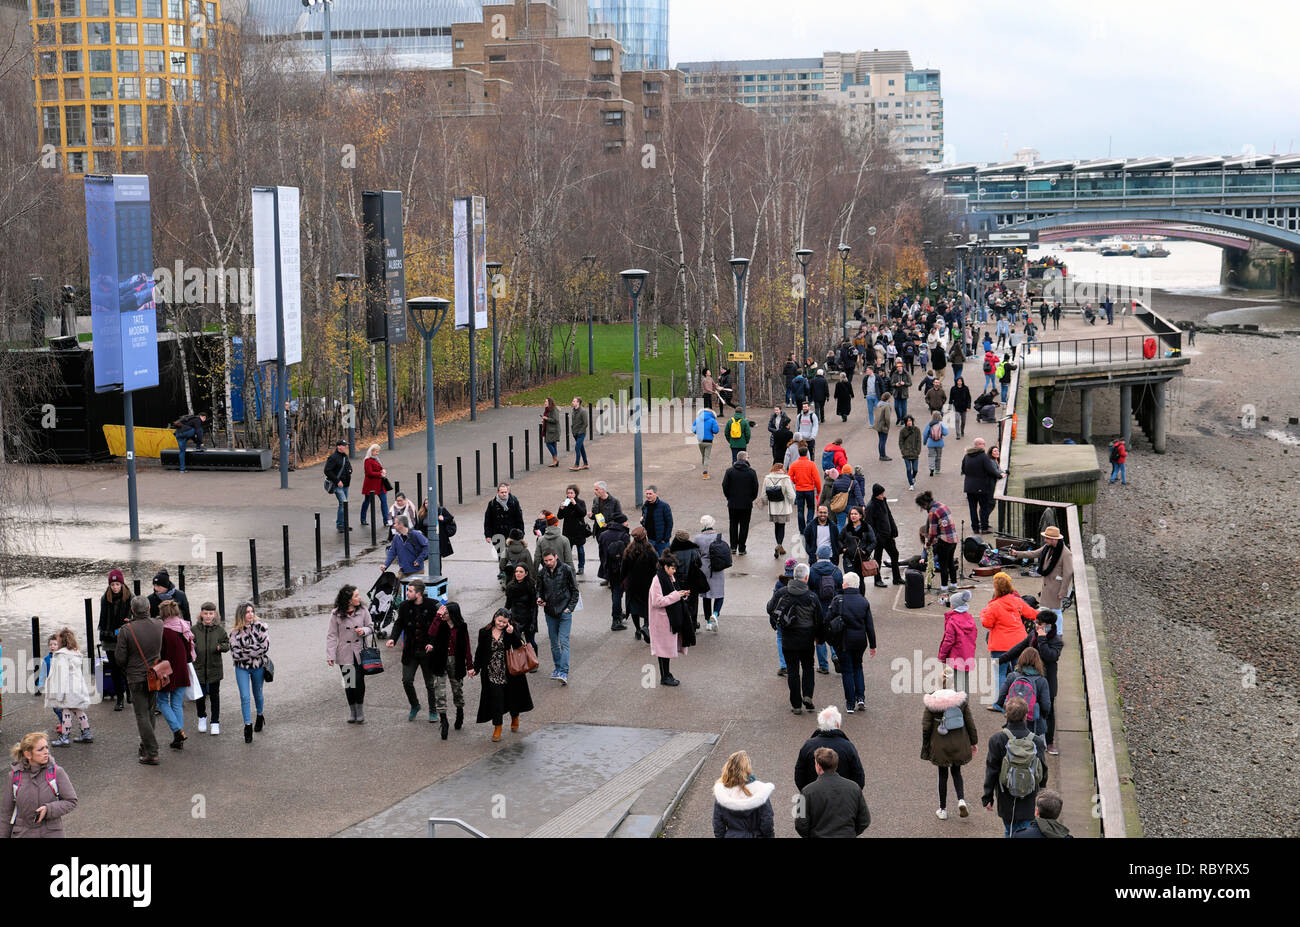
{"points": [[384, 599]]}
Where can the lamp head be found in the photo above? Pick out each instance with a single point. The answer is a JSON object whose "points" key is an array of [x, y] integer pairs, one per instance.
{"points": [[738, 266], [844, 250], [346, 278], [634, 280], [494, 266], [427, 312], [804, 255]]}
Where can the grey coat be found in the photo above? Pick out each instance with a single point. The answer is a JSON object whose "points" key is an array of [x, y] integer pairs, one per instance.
{"points": [[342, 643], [33, 791], [717, 581], [552, 541]]}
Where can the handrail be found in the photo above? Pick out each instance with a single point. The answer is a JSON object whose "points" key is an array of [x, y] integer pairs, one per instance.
{"points": [[468, 828], [1105, 763]]}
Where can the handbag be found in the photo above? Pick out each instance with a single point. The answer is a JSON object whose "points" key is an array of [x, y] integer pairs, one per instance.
{"points": [[372, 662], [870, 568], [195, 690], [388, 486], [329, 487], [158, 674], [521, 659], [268, 671]]}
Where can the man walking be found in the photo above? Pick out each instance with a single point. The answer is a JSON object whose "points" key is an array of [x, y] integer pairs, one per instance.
{"points": [[788, 373], [1015, 769], [502, 515], [338, 473], [412, 625], [409, 548], [899, 384], [740, 487], [139, 646], [796, 611], [657, 517], [552, 540], [981, 473], [737, 432], [557, 593], [578, 425], [832, 806], [820, 390], [806, 424], [807, 480]]}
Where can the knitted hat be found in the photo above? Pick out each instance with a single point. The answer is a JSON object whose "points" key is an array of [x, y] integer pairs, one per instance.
{"points": [[960, 600], [790, 565], [824, 552], [876, 489], [162, 579], [550, 518], [516, 534], [116, 577]]}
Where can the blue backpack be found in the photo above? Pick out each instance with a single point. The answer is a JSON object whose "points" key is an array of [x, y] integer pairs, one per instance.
{"points": [[828, 460]]}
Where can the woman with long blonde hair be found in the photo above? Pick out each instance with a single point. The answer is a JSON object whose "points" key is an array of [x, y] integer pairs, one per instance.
{"points": [[742, 806], [374, 485]]}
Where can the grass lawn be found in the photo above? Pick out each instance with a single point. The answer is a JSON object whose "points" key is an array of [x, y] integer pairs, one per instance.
{"points": [[614, 366]]}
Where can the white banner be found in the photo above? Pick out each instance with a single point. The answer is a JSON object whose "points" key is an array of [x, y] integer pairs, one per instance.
{"points": [[266, 219], [470, 257]]}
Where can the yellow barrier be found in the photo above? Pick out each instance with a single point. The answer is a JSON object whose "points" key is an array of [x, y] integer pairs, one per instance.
{"points": [[149, 442]]}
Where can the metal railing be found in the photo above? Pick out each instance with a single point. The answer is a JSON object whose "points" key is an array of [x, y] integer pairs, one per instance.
{"points": [[1081, 351], [1013, 518], [468, 828]]}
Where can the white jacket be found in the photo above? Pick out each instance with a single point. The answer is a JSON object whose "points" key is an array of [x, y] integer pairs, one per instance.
{"points": [[66, 687]]}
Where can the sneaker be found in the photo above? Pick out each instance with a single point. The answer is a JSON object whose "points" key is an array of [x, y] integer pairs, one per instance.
{"points": [[781, 671], [962, 808], [861, 706], [413, 713], [433, 717], [911, 487], [555, 674], [85, 738], [1051, 748], [796, 711], [808, 703], [941, 814], [849, 710], [835, 661], [564, 679], [203, 725], [149, 761], [60, 741], [215, 728], [824, 670]]}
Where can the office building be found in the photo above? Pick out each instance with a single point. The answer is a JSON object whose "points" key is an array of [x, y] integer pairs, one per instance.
{"points": [[641, 27]]}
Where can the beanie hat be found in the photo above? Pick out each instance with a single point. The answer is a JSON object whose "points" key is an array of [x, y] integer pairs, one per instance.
{"points": [[516, 534], [550, 518], [790, 565], [162, 579], [824, 552], [116, 576], [960, 600], [876, 489]]}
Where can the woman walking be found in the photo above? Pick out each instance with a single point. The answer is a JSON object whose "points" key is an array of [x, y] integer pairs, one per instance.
{"points": [[210, 642], [1045, 640], [851, 636], [573, 516], [946, 744], [177, 649], [708, 389], [249, 646], [778, 495], [857, 543], [1029, 682], [959, 397], [42, 794], [502, 692], [349, 625], [521, 601], [717, 581], [957, 649], [551, 431], [844, 398], [114, 609], [638, 573], [909, 448], [742, 806], [375, 484], [884, 419], [1007, 616], [668, 617], [934, 433], [66, 691], [688, 564]]}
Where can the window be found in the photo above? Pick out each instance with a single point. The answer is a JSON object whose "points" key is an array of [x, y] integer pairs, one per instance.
{"points": [[602, 54], [69, 7], [104, 162], [44, 8], [96, 7], [101, 88], [652, 86], [653, 137], [613, 117], [125, 7], [153, 34], [153, 88], [128, 88], [101, 59], [176, 35], [127, 34], [71, 62], [72, 89], [613, 146], [459, 44], [76, 162], [132, 162], [157, 125], [763, 77], [175, 9], [151, 8], [98, 34], [52, 133], [803, 76], [128, 60], [495, 58], [101, 125], [751, 99], [180, 90], [652, 112], [49, 88], [891, 83], [132, 130], [71, 33], [45, 34], [154, 62], [749, 78], [608, 76], [178, 60], [74, 121], [49, 63]]}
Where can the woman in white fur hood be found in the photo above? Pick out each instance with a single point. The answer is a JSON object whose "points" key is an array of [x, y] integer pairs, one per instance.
{"points": [[742, 806], [948, 739]]}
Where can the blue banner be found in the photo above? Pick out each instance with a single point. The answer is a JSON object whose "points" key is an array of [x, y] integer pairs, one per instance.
{"points": [[236, 379], [124, 320]]}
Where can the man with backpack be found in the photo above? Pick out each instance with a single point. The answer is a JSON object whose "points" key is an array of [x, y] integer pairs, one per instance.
{"points": [[614, 539], [825, 579], [788, 373], [1118, 459], [1015, 769], [740, 487], [796, 611], [806, 424], [737, 432], [990, 369], [1004, 369]]}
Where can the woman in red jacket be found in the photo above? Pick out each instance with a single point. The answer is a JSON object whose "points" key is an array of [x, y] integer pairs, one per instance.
{"points": [[376, 477], [1007, 616]]}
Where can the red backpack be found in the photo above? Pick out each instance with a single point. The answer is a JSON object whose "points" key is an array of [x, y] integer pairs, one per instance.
{"points": [[1023, 687]]}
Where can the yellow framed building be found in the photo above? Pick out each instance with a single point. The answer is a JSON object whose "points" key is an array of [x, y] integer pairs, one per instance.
{"points": [[108, 73]]}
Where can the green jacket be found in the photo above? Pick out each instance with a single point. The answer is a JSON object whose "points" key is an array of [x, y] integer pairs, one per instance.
{"points": [[743, 441], [210, 642], [578, 421]]}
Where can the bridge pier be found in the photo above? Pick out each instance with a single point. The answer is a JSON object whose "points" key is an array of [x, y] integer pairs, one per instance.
{"points": [[1085, 416], [1126, 413], [1159, 415]]}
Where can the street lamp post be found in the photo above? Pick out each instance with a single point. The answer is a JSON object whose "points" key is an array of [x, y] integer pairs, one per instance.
{"points": [[844, 293], [871, 267], [494, 268], [329, 60], [634, 280], [428, 313], [590, 261], [739, 266], [347, 281], [804, 255]]}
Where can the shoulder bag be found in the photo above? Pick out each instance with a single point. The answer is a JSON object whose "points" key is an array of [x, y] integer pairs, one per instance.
{"points": [[372, 662], [157, 674], [521, 659]]}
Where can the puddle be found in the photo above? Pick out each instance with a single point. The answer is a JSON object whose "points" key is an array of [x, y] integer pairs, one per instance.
{"points": [[1273, 315]]}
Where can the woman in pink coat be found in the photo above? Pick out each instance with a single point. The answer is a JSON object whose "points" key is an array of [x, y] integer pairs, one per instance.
{"points": [[665, 643], [959, 633]]}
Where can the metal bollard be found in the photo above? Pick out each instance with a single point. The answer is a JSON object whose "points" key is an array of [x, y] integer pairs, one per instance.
{"points": [[478, 472], [252, 566], [591, 420], [284, 530], [137, 586], [90, 633], [347, 532], [512, 457], [566, 432], [441, 495], [397, 486], [221, 582], [460, 489], [180, 577], [528, 453], [419, 490], [496, 475], [318, 566], [36, 644], [374, 537]]}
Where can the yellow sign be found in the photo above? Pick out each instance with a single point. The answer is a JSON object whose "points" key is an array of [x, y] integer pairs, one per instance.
{"points": [[740, 356]]}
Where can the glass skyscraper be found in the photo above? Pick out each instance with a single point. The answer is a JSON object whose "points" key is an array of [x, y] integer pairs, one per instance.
{"points": [[641, 26]]}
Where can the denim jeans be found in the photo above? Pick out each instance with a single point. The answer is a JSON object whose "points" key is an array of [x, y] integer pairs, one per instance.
{"points": [[172, 706], [956, 371], [579, 451], [340, 493], [1005, 387], [1118, 471], [581, 550], [780, 650], [881, 439], [368, 506], [183, 437], [246, 679], [910, 466], [851, 674], [557, 629], [840, 519], [900, 409], [1017, 827], [990, 382], [553, 447], [822, 661], [871, 409], [789, 395], [1003, 669], [805, 503]]}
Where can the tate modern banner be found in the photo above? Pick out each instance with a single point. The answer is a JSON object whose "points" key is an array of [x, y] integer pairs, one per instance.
{"points": [[277, 274], [123, 318]]}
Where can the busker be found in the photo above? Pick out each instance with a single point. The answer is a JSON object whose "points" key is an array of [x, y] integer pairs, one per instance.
{"points": [[1056, 565]]}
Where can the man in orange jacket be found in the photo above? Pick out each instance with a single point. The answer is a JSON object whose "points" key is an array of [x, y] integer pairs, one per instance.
{"points": [[807, 485]]}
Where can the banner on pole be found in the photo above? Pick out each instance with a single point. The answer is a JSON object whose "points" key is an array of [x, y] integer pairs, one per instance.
{"points": [[277, 272], [469, 228], [123, 316], [385, 262]]}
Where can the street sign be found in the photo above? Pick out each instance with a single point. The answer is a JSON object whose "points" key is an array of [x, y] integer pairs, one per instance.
{"points": [[740, 356]]}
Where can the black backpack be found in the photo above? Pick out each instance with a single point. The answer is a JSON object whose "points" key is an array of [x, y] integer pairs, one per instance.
{"points": [[1114, 453], [836, 625], [826, 590], [719, 555]]}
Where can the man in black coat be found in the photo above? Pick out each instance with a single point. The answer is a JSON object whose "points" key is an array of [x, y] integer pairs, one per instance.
{"points": [[413, 619], [781, 439], [881, 520], [819, 391], [831, 806], [502, 515], [604, 507], [788, 373], [740, 487], [338, 473], [1016, 813], [981, 474], [799, 633], [828, 734], [614, 539]]}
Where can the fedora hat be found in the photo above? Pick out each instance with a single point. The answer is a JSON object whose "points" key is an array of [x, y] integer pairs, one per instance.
{"points": [[1052, 532]]}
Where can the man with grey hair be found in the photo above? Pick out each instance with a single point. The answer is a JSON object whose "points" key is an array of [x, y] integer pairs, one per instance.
{"points": [[828, 734], [603, 509], [139, 646], [740, 487], [797, 613]]}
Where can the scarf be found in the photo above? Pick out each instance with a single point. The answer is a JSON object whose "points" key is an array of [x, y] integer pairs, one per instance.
{"points": [[1051, 557], [182, 627]]}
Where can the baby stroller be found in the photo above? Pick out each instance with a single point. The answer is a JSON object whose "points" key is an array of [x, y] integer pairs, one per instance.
{"points": [[384, 600]]}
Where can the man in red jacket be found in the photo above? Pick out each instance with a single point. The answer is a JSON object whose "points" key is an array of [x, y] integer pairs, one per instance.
{"points": [[807, 486]]}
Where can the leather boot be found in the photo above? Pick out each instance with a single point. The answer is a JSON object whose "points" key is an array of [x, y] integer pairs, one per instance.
{"points": [[496, 733], [460, 716], [514, 723], [361, 714], [118, 706]]}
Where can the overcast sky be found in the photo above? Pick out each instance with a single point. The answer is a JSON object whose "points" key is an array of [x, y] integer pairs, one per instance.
{"points": [[1085, 78]]}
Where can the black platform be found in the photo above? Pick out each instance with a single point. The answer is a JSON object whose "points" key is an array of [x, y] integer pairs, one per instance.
{"points": [[218, 458]]}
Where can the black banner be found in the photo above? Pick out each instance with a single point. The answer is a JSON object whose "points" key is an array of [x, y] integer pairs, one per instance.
{"points": [[385, 261]]}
